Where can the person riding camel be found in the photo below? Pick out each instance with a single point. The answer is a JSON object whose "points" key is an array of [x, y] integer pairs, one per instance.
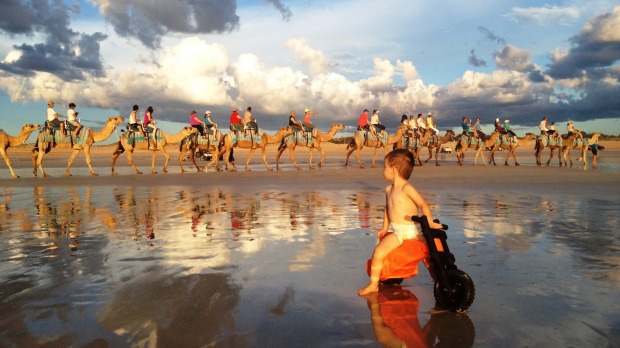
{"points": [[211, 126], [236, 121], [543, 127], [466, 125], [149, 124], [53, 118], [72, 119], [376, 123], [573, 130], [295, 124], [249, 120], [197, 123], [512, 134], [133, 124], [308, 122]]}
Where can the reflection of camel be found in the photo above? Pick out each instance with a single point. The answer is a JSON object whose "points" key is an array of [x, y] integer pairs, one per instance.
{"points": [[198, 142], [437, 146], [298, 138], [511, 147], [44, 145], [540, 146], [479, 145], [125, 144], [359, 141], [265, 139], [7, 141], [580, 146]]}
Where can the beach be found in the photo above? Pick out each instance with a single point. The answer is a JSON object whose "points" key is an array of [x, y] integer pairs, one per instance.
{"points": [[275, 258]]}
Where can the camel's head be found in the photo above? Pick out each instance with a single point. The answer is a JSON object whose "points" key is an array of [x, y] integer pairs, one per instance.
{"points": [[115, 120], [29, 127], [288, 130], [338, 126], [450, 132]]}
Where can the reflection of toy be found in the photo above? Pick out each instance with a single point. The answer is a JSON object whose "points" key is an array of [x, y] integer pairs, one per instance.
{"points": [[454, 289]]}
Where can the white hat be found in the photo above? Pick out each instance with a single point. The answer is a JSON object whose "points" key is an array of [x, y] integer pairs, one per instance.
{"points": [[429, 114], [207, 112], [497, 119], [507, 121], [307, 110]]}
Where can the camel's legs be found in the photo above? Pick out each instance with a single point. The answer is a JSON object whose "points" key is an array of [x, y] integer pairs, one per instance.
{"points": [[322, 152], [278, 154], [291, 152], [247, 162], [117, 152], [8, 162], [88, 159], [166, 156], [130, 161], [182, 151], [153, 158], [357, 156], [349, 152], [262, 149], [40, 162]]}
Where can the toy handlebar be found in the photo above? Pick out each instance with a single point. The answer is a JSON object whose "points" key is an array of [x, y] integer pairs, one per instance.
{"points": [[423, 221]]}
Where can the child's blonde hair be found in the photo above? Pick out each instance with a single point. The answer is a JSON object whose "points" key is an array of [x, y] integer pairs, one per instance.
{"points": [[402, 160]]}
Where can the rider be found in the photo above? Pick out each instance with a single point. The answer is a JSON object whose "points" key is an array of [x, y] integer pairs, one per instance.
{"points": [[363, 123], [72, 118], [543, 127], [421, 124], [573, 130], [133, 121], [478, 130], [236, 121], [295, 124], [430, 123], [250, 122], [308, 122], [508, 130], [149, 122], [376, 123], [466, 125], [209, 123], [197, 123], [53, 118]]}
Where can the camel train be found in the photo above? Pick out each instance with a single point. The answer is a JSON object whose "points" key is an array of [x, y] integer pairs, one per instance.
{"points": [[221, 145]]}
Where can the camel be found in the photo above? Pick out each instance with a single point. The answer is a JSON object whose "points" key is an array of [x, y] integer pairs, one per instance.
{"points": [[130, 145], [511, 147], [231, 139], [210, 143], [479, 145], [437, 145], [298, 138], [542, 141], [580, 146], [358, 142], [84, 141], [7, 141]]}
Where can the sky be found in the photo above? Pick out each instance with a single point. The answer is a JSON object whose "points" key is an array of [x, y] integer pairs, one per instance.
{"points": [[516, 60]]}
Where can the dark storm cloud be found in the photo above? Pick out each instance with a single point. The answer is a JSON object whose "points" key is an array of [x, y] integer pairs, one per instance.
{"points": [[596, 47], [148, 21], [489, 35], [58, 55], [475, 61], [285, 11]]}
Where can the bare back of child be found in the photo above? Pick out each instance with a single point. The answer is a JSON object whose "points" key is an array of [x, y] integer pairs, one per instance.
{"points": [[402, 201]]}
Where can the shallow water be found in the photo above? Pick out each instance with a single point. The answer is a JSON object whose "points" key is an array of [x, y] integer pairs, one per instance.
{"points": [[146, 266]]}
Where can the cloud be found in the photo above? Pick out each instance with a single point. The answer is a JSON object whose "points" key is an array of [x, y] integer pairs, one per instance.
{"points": [[597, 46], [149, 21], [475, 61], [285, 11], [65, 53], [546, 15], [513, 58], [491, 36], [315, 59]]}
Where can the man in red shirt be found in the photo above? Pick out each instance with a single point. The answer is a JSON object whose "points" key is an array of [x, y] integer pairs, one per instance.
{"points": [[236, 121], [363, 122]]}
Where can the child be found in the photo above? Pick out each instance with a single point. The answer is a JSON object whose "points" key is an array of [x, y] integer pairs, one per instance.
{"points": [[402, 201]]}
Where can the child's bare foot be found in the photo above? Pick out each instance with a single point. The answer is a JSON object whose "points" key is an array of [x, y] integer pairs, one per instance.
{"points": [[369, 289]]}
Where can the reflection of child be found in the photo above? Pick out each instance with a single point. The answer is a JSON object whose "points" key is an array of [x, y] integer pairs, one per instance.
{"points": [[402, 201]]}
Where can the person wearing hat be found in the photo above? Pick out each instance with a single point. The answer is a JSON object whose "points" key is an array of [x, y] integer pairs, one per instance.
{"points": [[308, 121], [499, 127], [236, 121], [543, 127], [196, 122], [72, 119], [508, 130], [573, 130], [430, 123], [209, 122], [363, 123], [376, 123], [53, 118], [421, 124]]}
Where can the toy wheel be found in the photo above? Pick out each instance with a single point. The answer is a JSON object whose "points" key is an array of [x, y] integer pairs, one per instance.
{"points": [[392, 281], [462, 295]]}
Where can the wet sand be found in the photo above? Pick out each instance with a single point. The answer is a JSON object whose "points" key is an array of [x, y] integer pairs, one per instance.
{"points": [[275, 258]]}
